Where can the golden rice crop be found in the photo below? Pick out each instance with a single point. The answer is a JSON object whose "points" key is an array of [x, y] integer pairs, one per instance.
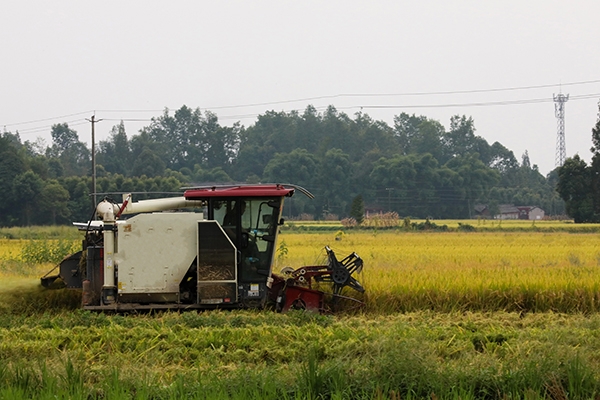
{"points": [[10, 248], [32, 258], [449, 271], [445, 271], [481, 225]]}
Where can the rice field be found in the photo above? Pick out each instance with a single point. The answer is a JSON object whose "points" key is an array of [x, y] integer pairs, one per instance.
{"points": [[10, 249], [481, 315], [451, 271], [480, 225], [411, 271]]}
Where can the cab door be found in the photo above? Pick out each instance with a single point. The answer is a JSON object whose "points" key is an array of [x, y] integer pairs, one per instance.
{"points": [[251, 224]]}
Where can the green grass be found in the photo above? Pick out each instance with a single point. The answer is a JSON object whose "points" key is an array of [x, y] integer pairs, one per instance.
{"points": [[272, 356], [50, 349], [65, 232]]}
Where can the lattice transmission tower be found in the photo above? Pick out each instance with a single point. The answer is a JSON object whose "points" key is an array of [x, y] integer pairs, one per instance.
{"points": [[559, 110]]}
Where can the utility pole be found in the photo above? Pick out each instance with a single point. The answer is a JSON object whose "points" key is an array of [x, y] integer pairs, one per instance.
{"points": [[389, 190], [559, 110], [93, 120]]}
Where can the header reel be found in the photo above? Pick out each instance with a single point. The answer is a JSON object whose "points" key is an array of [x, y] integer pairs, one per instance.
{"points": [[294, 288]]}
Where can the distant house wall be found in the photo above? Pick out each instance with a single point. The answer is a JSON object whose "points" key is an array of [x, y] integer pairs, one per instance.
{"points": [[482, 211], [508, 215], [508, 211], [523, 212], [536, 213]]}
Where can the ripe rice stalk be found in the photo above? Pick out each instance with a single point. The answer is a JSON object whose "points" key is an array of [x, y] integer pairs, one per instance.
{"points": [[478, 271]]}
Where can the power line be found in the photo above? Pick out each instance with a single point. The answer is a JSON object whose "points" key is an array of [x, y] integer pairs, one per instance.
{"points": [[47, 119], [381, 106], [129, 119], [433, 93], [477, 104], [130, 111], [29, 131], [363, 95]]}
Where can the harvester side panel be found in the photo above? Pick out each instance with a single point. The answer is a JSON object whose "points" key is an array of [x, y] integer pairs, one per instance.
{"points": [[154, 252]]}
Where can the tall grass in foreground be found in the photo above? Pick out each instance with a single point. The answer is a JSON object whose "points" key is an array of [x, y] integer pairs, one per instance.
{"points": [[261, 355]]}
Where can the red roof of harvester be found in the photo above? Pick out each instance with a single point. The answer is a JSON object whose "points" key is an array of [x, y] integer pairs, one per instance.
{"points": [[238, 191]]}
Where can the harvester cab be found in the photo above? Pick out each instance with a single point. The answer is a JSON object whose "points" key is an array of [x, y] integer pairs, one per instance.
{"points": [[218, 254]]}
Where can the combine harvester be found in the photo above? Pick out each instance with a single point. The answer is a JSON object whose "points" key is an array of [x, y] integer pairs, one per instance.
{"points": [[217, 255]]}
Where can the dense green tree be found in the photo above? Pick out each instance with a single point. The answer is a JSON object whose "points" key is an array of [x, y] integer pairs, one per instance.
{"points": [[148, 163], [595, 167], [209, 176], [502, 159], [308, 129], [332, 182], [429, 139], [452, 195], [187, 138], [575, 189], [361, 171], [397, 173], [220, 142], [460, 138], [298, 167], [74, 156], [406, 129], [357, 209], [369, 135], [475, 182], [12, 165], [407, 184], [115, 153], [415, 167], [172, 138], [80, 202], [281, 132], [273, 133], [338, 127], [26, 189], [53, 203]]}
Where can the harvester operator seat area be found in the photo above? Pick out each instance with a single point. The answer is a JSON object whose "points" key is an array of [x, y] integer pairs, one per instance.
{"points": [[249, 225], [229, 212]]}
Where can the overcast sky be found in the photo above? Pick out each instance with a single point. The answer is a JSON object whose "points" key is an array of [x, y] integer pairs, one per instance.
{"points": [[63, 60]]}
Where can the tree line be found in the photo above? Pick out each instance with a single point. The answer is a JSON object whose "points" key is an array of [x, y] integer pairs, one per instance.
{"points": [[415, 167]]}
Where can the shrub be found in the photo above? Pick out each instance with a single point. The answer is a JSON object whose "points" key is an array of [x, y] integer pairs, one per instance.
{"points": [[466, 227]]}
